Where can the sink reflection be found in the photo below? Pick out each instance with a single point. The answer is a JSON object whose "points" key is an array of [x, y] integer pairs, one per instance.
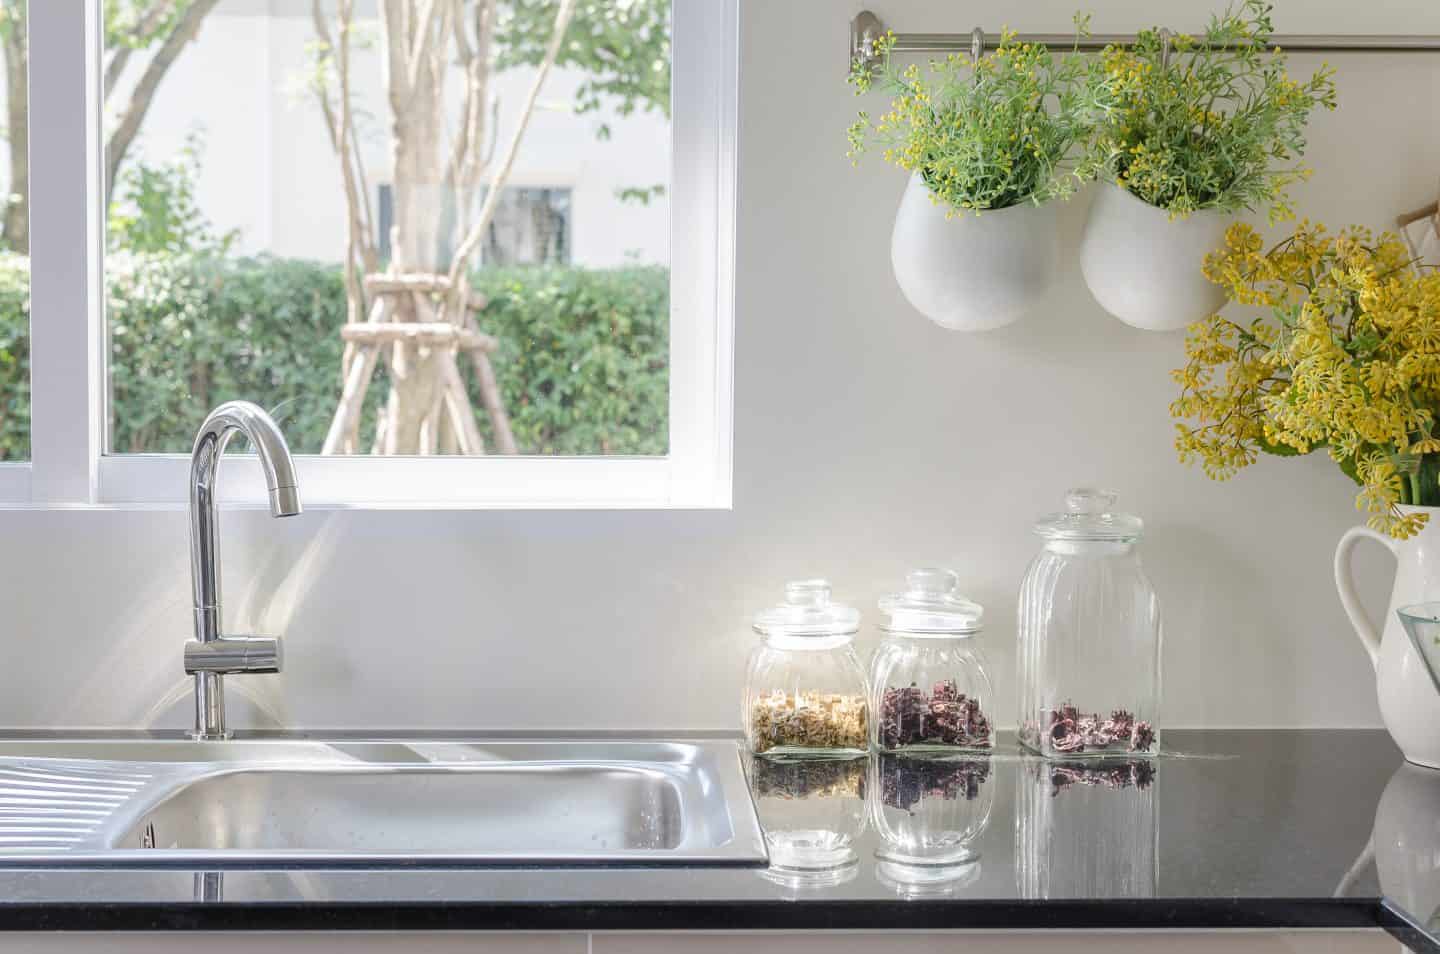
{"points": [[542, 809]]}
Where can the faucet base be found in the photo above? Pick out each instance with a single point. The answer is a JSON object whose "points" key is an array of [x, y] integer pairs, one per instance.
{"points": [[199, 735], [209, 707]]}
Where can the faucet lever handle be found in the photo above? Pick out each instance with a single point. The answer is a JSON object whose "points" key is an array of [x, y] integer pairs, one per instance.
{"points": [[232, 654]]}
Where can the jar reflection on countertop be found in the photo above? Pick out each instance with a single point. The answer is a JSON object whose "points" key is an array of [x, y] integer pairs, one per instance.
{"points": [[929, 812], [928, 685], [805, 692], [1087, 829], [812, 811]]}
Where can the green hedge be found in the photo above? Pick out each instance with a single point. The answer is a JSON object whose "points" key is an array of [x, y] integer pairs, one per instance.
{"points": [[582, 361]]}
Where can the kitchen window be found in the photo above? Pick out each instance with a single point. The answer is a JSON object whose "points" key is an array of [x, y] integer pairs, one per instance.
{"points": [[274, 227], [14, 258]]}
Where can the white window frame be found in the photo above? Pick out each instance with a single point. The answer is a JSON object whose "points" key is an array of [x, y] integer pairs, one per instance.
{"points": [[68, 466]]}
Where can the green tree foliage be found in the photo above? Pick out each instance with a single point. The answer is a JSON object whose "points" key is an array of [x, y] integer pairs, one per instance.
{"points": [[14, 357], [623, 47], [154, 209]]}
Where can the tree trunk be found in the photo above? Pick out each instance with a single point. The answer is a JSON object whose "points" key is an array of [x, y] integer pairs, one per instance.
{"points": [[417, 40], [16, 227], [427, 409]]}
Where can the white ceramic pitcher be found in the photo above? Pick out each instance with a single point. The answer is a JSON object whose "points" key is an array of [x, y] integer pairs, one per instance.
{"points": [[1409, 703]]}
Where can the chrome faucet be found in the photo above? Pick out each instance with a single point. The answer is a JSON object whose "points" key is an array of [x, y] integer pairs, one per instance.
{"points": [[210, 655]]}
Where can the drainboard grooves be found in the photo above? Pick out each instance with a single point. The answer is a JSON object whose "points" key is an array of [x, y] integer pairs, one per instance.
{"points": [[58, 806]]}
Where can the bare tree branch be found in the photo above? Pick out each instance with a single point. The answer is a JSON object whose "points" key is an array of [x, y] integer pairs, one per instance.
{"points": [[147, 25], [397, 49], [420, 44], [497, 181], [124, 136]]}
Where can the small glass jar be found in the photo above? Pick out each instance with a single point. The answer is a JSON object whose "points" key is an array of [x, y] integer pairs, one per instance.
{"points": [[928, 686], [1089, 636], [805, 694]]}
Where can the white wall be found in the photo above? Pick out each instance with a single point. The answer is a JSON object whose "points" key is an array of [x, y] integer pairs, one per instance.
{"points": [[867, 442]]}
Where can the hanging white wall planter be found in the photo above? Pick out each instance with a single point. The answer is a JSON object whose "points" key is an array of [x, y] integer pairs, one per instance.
{"points": [[972, 272], [1145, 268]]}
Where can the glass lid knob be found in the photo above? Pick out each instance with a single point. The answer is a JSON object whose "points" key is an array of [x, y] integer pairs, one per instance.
{"points": [[1090, 500], [932, 582], [813, 593]]}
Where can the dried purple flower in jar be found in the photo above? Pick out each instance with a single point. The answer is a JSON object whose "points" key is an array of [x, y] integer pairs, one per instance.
{"points": [[1071, 732], [943, 717]]}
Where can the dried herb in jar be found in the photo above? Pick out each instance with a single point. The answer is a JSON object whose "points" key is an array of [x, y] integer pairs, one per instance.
{"points": [[1068, 730], [810, 720], [944, 716], [904, 782]]}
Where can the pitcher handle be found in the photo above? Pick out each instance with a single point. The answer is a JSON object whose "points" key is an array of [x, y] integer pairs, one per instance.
{"points": [[1345, 584]]}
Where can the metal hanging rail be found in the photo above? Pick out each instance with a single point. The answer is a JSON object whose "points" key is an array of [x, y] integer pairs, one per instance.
{"points": [[866, 28]]}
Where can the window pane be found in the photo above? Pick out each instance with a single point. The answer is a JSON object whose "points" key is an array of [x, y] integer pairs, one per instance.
{"points": [[397, 247], [15, 238]]}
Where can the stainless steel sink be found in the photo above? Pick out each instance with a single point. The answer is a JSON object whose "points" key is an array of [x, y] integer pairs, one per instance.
{"points": [[256, 803]]}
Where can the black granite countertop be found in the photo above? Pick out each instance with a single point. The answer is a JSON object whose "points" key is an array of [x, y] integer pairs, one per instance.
{"points": [[1231, 829]]}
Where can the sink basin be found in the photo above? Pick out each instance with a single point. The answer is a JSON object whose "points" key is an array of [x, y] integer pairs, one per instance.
{"points": [[257, 803]]}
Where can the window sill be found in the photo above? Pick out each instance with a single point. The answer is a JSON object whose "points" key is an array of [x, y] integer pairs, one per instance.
{"points": [[161, 482]]}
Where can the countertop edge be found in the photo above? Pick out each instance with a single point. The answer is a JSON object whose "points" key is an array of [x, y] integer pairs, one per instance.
{"points": [[772, 915], [1405, 929]]}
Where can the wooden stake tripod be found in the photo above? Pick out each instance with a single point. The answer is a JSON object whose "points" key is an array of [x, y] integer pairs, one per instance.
{"points": [[421, 351]]}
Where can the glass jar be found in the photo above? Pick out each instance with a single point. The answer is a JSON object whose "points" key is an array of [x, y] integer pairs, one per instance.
{"points": [[1089, 642], [805, 692], [927, 680]]}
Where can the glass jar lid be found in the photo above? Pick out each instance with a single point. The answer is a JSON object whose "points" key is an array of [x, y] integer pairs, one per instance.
{"points": [[932, 605], [1089, 515], [807, 611]]}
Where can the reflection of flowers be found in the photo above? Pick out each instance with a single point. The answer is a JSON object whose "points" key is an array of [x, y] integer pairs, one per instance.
{"points": [[904, 783], [1138, 773], [811, 778]]}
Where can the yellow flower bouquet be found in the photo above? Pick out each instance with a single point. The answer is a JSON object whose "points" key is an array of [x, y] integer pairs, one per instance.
{"points": [[1345, 357]]}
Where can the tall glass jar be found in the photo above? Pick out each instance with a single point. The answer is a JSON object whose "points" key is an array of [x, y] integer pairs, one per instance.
{"points": [[928, 686], [1089, 642], [805, 694]]}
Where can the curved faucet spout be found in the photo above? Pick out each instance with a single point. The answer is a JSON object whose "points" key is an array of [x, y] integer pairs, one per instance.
{"points": [[219, 427]]}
